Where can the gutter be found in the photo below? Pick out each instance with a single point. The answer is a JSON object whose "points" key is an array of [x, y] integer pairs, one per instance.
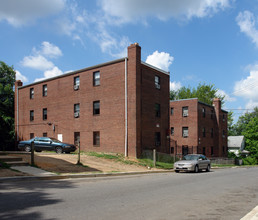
{"points": [[17, 114], [126, 110]]}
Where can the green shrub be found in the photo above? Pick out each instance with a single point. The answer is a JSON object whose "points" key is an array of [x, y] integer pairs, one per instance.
{"points": [[250, 161]]}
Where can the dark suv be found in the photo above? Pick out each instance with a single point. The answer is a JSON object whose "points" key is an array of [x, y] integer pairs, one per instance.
{"points": [[46, 143]]}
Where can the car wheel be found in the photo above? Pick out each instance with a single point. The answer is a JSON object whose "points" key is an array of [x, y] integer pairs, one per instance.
{"points": [[208, 169], [27, 148], [196, 169], [177, 171], [59, 150]]}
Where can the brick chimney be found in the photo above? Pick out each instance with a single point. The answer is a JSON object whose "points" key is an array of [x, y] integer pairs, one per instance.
{"points": [[134, 99], [217, 106]]}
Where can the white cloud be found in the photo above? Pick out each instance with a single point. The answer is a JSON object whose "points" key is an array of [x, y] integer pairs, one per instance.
{"points": [[132, 10], [38, 58], [246, 22], [50, 73], [19, 76], [21, 12], [50, 50], [227, 97], [37, 62], [175, 85], [161, 60], [248, 88]]}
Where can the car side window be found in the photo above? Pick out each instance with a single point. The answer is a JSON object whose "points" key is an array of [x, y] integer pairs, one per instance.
{"points": [[44, 139]]}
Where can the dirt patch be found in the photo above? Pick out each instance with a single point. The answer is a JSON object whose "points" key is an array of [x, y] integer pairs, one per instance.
{"points": [[66, 163]]}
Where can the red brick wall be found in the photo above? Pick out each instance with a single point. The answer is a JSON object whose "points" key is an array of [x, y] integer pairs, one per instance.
{"points": [[150, 96], [61, 98], [178, 121], [195, 123], [60, 102]]}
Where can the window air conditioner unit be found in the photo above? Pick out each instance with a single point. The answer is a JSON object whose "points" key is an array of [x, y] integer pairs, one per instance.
{"points": [[185, 114], [157, 86], [76, 87], [185, 135], [76, 114]]}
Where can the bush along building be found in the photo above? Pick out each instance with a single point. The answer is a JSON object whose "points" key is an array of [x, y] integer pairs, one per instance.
{"points": [[198, 128], [121, 106]]}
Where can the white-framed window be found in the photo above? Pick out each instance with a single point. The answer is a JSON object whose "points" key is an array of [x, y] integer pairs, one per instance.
{"points": [[31, 93], [44, 114], [172, 130], [32, 115], [185, 132], [157, 82], [96, 107], [44, 90], [77, 110], [96, 78], [185, 111], [76, 82]]}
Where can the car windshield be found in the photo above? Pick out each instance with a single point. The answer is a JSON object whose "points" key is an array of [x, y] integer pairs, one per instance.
{"points": [[55, 140], [191, 157]]}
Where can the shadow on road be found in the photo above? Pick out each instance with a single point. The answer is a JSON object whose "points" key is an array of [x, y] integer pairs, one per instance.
{"points": [[19, 198]]}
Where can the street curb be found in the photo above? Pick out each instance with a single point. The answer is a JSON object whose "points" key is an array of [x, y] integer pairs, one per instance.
{"points": [[90, 175], [74, 176]]}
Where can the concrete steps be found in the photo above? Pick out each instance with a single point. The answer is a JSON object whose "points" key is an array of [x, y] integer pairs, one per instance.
{"points": [[13, 161]]}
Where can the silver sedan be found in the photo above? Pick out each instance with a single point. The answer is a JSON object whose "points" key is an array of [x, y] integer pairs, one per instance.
{"points": [[193, 162]]}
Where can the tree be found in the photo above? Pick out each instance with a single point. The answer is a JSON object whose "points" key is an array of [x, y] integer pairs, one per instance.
{"points": [[243, 121], [205, 93], [231, 130], [251, 138], [7, 79]]}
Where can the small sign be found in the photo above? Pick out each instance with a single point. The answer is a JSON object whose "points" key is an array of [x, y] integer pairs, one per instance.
{"points": [[157, 125], [60, 137]]}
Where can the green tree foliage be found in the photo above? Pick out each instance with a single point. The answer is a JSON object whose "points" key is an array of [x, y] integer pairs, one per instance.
{"points": [[7, 79], [205, 93], [247, 125], [251, 138], [243, 121], [231, 130]]}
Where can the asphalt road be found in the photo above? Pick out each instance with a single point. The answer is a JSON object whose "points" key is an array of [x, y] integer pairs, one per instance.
{"points": [[220, 194]]}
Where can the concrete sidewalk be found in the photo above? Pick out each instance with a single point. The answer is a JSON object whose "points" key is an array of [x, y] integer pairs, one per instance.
{"points": [[33, 171], [253, 215]]}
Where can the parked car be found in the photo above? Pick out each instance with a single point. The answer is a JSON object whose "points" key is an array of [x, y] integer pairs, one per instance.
{"points": [[46, 143], [193, 162]]}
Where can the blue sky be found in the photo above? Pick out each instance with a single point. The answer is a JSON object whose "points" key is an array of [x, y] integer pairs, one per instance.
{"points": [[200, 41]]}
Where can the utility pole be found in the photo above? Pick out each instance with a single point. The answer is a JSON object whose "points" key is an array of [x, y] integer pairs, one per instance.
{"points": [[32, 153], [79, 154]]}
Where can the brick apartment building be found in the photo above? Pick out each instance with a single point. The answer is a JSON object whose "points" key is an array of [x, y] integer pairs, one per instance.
{"points": [[121, 106], [198, 128]]}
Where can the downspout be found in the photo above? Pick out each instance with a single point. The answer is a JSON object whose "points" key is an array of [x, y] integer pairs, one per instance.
{"points": [[126, 123], [17, 114]]}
